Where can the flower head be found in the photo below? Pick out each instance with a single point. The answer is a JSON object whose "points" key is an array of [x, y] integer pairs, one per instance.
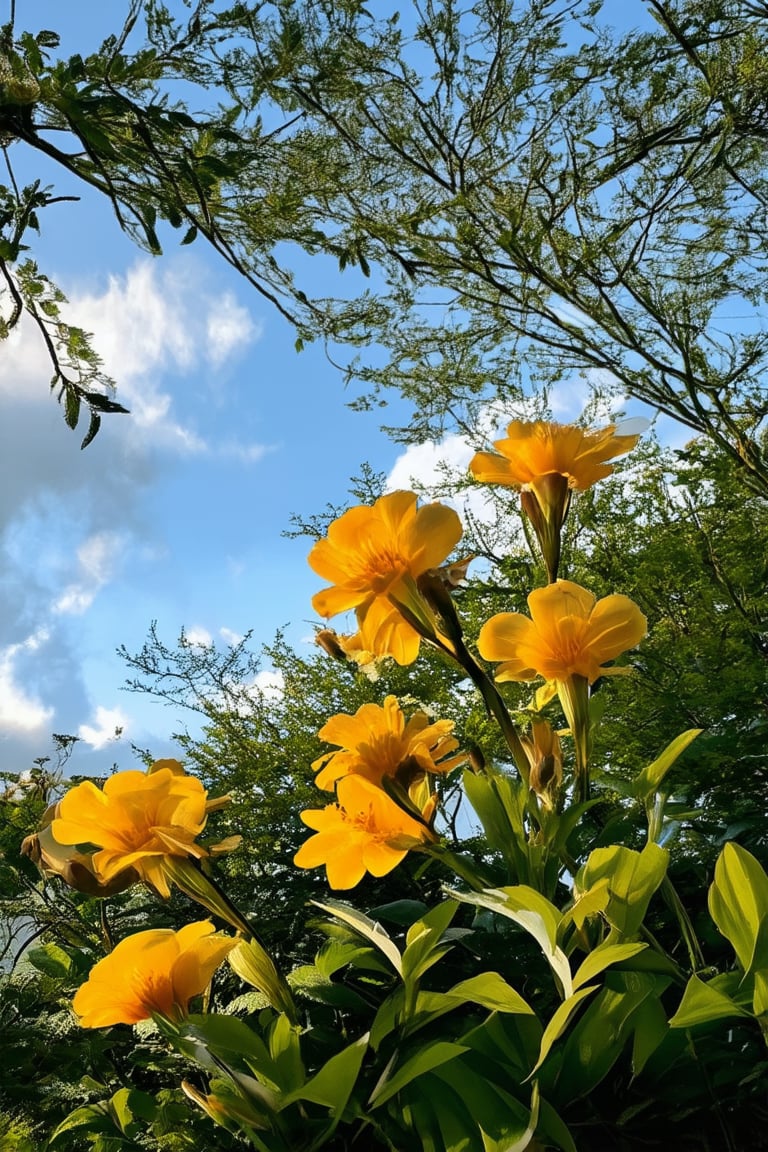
{"points": [[155, 971], [373, 557], [364, 832], [135, 821], [378, 742], [569, 634], [546, 461], [537, 448]]}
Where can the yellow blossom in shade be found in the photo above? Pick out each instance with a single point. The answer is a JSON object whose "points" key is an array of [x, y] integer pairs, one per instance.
{"points": [[373, 556], [537, 448], [364, 832], [378, 742], [569, 634], [155, 971], [136, 821]]}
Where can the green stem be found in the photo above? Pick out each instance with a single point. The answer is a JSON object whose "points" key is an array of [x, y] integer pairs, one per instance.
{"points": [[690, 939]]}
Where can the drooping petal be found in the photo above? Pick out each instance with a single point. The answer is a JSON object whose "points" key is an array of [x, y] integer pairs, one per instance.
{"points": [[615, 625], [384, 632]]}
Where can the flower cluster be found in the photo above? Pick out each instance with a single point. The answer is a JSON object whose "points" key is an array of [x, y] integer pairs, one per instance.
{"points": [[379, 753]]}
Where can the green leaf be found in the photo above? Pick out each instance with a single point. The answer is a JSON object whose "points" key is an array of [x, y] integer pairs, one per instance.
{"points": [[92, 1118], [600, 1035], [369, 929], [601, 958], [50, 959], [71, 407], [132, 1109], [647, 782], [425, 943], [209, 1037], [534, 913], [559, 1023], [490, 990], [760, 1000], [332, 1086], [93, 429], [428, 1057], [285, 1050], [651, 1027], [702, 1003], [738, 904], [632, 877]]}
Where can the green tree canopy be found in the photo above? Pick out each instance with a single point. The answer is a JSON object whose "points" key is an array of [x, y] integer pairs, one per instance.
{"points": [[531, 192]]}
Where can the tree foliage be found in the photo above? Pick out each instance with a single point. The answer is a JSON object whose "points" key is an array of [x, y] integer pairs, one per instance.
{"points": [[530, 192]]}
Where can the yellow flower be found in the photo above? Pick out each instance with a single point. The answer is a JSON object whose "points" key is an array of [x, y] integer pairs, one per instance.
{"points": [[377, 742], [373, 557], [569, 634], [537, 448], [546, 461], [137, 820], [364, 832], [155, 971]]}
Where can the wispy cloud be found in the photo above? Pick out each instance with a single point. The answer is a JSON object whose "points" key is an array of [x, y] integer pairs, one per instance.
{"points": [[109, 725], [21, 711], [96, 557]]}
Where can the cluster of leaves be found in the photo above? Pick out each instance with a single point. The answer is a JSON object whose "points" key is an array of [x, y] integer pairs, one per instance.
{"points": [[561, 197]]}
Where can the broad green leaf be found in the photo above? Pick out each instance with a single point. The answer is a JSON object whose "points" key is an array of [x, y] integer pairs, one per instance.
{"points": [[599, 1036], [369, 929], [490, 990], [553, 1128], [50, 959], [332, 1085], [210, 1038], [601, 958], [702, 1003], [92, 1118], [308, 980], [285, 1050], [425, 941], [132, 1109], [650, 1029], [589, 904], [559, 1023], [632, 877], [501, 817], [500, 1119], [760, 999], [428, 1057], [647, 782], [738, 904], [535, 914]]}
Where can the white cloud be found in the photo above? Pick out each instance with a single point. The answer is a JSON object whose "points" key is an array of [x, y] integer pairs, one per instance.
{"points": [[270, 683], [230, 637], [20, 710], [96, 559], [229, 329], [110, 724], [198, 637]]}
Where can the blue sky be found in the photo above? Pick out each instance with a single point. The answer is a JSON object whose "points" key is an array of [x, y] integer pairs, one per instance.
{"points": [[174, 513]]}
